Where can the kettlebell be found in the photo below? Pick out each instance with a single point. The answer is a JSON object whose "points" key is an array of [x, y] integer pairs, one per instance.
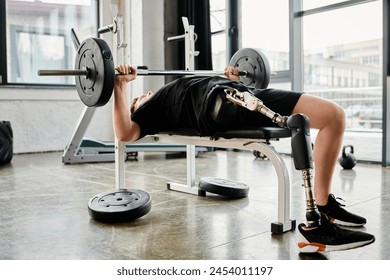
{"points": [[347, 160]]}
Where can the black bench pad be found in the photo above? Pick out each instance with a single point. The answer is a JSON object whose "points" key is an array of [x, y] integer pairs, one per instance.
{"points": [[248, 132]]}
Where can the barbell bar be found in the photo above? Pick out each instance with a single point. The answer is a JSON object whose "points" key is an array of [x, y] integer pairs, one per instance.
{"points": [[79, 72], [142, 72], [95, 71]]}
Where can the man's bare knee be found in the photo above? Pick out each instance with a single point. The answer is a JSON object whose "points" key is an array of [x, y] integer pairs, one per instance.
{"points": [[337, 119]]}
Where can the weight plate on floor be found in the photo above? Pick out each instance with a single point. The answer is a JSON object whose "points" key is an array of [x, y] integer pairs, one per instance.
{"points": [[96, 88], [223, 187], [256, 64], [122, 205]]}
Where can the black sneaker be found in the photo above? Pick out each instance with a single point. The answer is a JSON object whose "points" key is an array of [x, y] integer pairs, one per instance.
{"points": [[339, 215], [330, 237]]}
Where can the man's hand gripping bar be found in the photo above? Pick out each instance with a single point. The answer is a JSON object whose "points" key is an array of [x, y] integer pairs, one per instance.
{"points": [[252, 103]]}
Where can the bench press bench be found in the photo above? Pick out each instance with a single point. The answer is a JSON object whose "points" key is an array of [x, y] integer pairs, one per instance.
{"points": [[252, 138]]}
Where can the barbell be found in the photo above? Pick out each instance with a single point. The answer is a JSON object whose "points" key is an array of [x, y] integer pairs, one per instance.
{"points": [[95, 71]]}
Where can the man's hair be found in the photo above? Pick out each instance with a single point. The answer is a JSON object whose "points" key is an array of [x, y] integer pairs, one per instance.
{"points": [[132, 106]]}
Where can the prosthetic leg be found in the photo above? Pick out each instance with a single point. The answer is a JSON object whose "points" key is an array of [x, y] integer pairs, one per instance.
{"points": [[300, 143]]}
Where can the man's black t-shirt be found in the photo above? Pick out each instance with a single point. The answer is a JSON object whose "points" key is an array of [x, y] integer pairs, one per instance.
{"points": [[181, 104], [188, 103]]}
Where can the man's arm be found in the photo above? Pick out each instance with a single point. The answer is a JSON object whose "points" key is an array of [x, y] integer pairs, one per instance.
{"points": [[125, 129]]}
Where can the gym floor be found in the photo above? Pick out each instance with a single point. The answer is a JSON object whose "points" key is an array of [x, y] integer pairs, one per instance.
{"points": [[44, 215]]}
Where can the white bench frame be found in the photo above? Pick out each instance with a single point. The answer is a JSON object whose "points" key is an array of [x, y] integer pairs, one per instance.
{"points": [[284, 223]]}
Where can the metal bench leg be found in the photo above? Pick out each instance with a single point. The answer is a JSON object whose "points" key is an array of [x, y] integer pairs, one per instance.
{"points": [[190, 187], [284, 222]]}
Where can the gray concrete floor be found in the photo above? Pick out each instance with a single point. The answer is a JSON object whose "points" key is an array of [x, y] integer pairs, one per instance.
{"points": [[44, 216]]}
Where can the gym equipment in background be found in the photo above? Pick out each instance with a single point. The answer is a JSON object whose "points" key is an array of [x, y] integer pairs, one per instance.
{"points": [[347, 159]]}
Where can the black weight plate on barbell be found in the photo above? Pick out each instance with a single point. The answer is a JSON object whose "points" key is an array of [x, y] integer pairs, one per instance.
{"points": [[95, 90], [123, 205], [223, 187], [256, 64]]}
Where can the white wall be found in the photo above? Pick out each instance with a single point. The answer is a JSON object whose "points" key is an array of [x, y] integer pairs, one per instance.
{"points": [[44, 119]]}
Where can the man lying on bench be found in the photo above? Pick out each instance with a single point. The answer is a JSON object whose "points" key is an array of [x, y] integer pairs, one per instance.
{"points": [[201, 103]]}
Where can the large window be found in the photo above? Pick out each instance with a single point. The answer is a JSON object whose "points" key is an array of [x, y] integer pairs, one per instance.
{"points": [[343, 62], [218, 26], [342, 50], [309, 4], [38, 36], [264, 25]]}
